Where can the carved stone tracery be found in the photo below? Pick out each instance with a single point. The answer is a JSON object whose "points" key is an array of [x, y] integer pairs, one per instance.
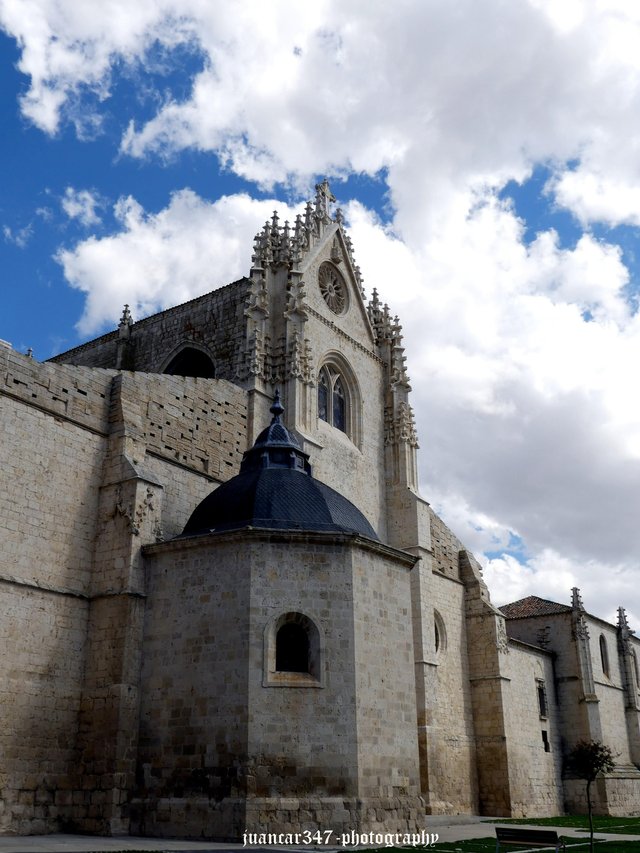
{"points": [[333, 288]]}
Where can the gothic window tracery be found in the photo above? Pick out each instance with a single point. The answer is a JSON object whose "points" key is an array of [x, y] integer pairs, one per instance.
{"points": [[339, 398], [332, 399], [333, 288]]}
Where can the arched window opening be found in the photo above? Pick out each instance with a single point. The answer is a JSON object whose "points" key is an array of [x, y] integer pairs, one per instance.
{"points": [[293, 652], [439, 634], [543, 705], [604, 655], [333, 401], [292, 648], [191, 361]]}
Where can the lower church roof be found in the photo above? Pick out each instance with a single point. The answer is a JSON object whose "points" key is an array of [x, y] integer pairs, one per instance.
{"points": [[533, 606]]}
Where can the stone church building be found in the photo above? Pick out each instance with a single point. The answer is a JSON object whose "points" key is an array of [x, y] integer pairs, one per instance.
{"points": [[225, 606]]}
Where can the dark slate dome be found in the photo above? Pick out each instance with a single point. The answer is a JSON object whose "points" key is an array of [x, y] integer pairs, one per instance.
{"points": [[275, 490]]}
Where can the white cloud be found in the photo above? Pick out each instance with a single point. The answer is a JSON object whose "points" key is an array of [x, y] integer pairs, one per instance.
{"points": [[82, 205], [598, 198], [69, 48], [522, 359], [18, 236], [163, 259], [553, 576], [522, 353], [461, 94]]}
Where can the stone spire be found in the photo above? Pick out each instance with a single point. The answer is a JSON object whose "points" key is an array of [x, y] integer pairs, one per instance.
{"points": [[126, 321], [576, 599], [629, 661], [580, 633], [123, 354]]}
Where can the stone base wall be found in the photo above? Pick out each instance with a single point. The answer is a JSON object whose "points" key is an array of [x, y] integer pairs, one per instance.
{"points": [[616, 795], [228, 820]]}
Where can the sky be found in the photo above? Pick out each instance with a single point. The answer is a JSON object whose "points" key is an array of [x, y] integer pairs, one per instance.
{"points": [[486, 155]]}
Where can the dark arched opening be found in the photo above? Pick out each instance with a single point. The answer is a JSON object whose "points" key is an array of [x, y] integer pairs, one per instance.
{"points": [[191, 362], [292, 648]]}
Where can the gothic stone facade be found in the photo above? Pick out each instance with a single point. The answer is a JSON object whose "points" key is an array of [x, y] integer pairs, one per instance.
{"points": [[140, 684]]}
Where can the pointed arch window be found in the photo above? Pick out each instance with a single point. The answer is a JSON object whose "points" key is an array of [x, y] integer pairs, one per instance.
{"points": [[333, 401], [604, 656], [191, 361]]}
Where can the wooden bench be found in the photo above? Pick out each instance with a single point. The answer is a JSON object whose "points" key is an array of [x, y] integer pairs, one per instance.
{"points": [[523, 837]]}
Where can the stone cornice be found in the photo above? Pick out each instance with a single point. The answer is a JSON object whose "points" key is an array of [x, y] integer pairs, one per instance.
{"points": [[248, 534]]}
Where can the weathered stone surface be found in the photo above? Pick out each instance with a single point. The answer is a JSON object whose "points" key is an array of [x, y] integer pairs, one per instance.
{"points": [[139, 687]]}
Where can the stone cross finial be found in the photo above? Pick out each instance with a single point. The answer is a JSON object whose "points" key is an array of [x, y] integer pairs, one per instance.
{"points": [[324, 197]]}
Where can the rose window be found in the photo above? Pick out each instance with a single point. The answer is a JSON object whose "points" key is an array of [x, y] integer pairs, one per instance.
{"points": [[333, 288]]}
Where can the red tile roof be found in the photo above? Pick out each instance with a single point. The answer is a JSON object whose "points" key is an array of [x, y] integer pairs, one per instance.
{"points": [[533, 606]]}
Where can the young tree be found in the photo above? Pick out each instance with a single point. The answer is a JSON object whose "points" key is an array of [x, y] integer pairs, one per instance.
{"points": [[586, 760]]}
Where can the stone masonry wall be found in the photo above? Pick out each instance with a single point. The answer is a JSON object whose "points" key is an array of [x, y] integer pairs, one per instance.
{"points": [[193, 717], [193, 431], [534, 769], [55, 423], [445, 546], [213, 322], [555, 633], [56, 448], [53, 426], [385, 679], [42, 635], [450, 733], [215, 729], [609, 689]]}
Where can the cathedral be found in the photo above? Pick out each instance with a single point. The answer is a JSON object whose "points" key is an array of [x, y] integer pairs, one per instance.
{"points": [[226, 608]]}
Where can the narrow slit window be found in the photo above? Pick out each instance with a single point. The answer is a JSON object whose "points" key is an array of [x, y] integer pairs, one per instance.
{"points": [[604, 655], [542, 699]]}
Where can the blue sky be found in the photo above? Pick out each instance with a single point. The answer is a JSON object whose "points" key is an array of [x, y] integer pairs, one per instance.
{"points": [[485, 155]]}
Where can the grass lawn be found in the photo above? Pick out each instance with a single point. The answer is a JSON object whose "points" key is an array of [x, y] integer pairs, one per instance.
{"points": [[625, 825], [488, 845]]}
